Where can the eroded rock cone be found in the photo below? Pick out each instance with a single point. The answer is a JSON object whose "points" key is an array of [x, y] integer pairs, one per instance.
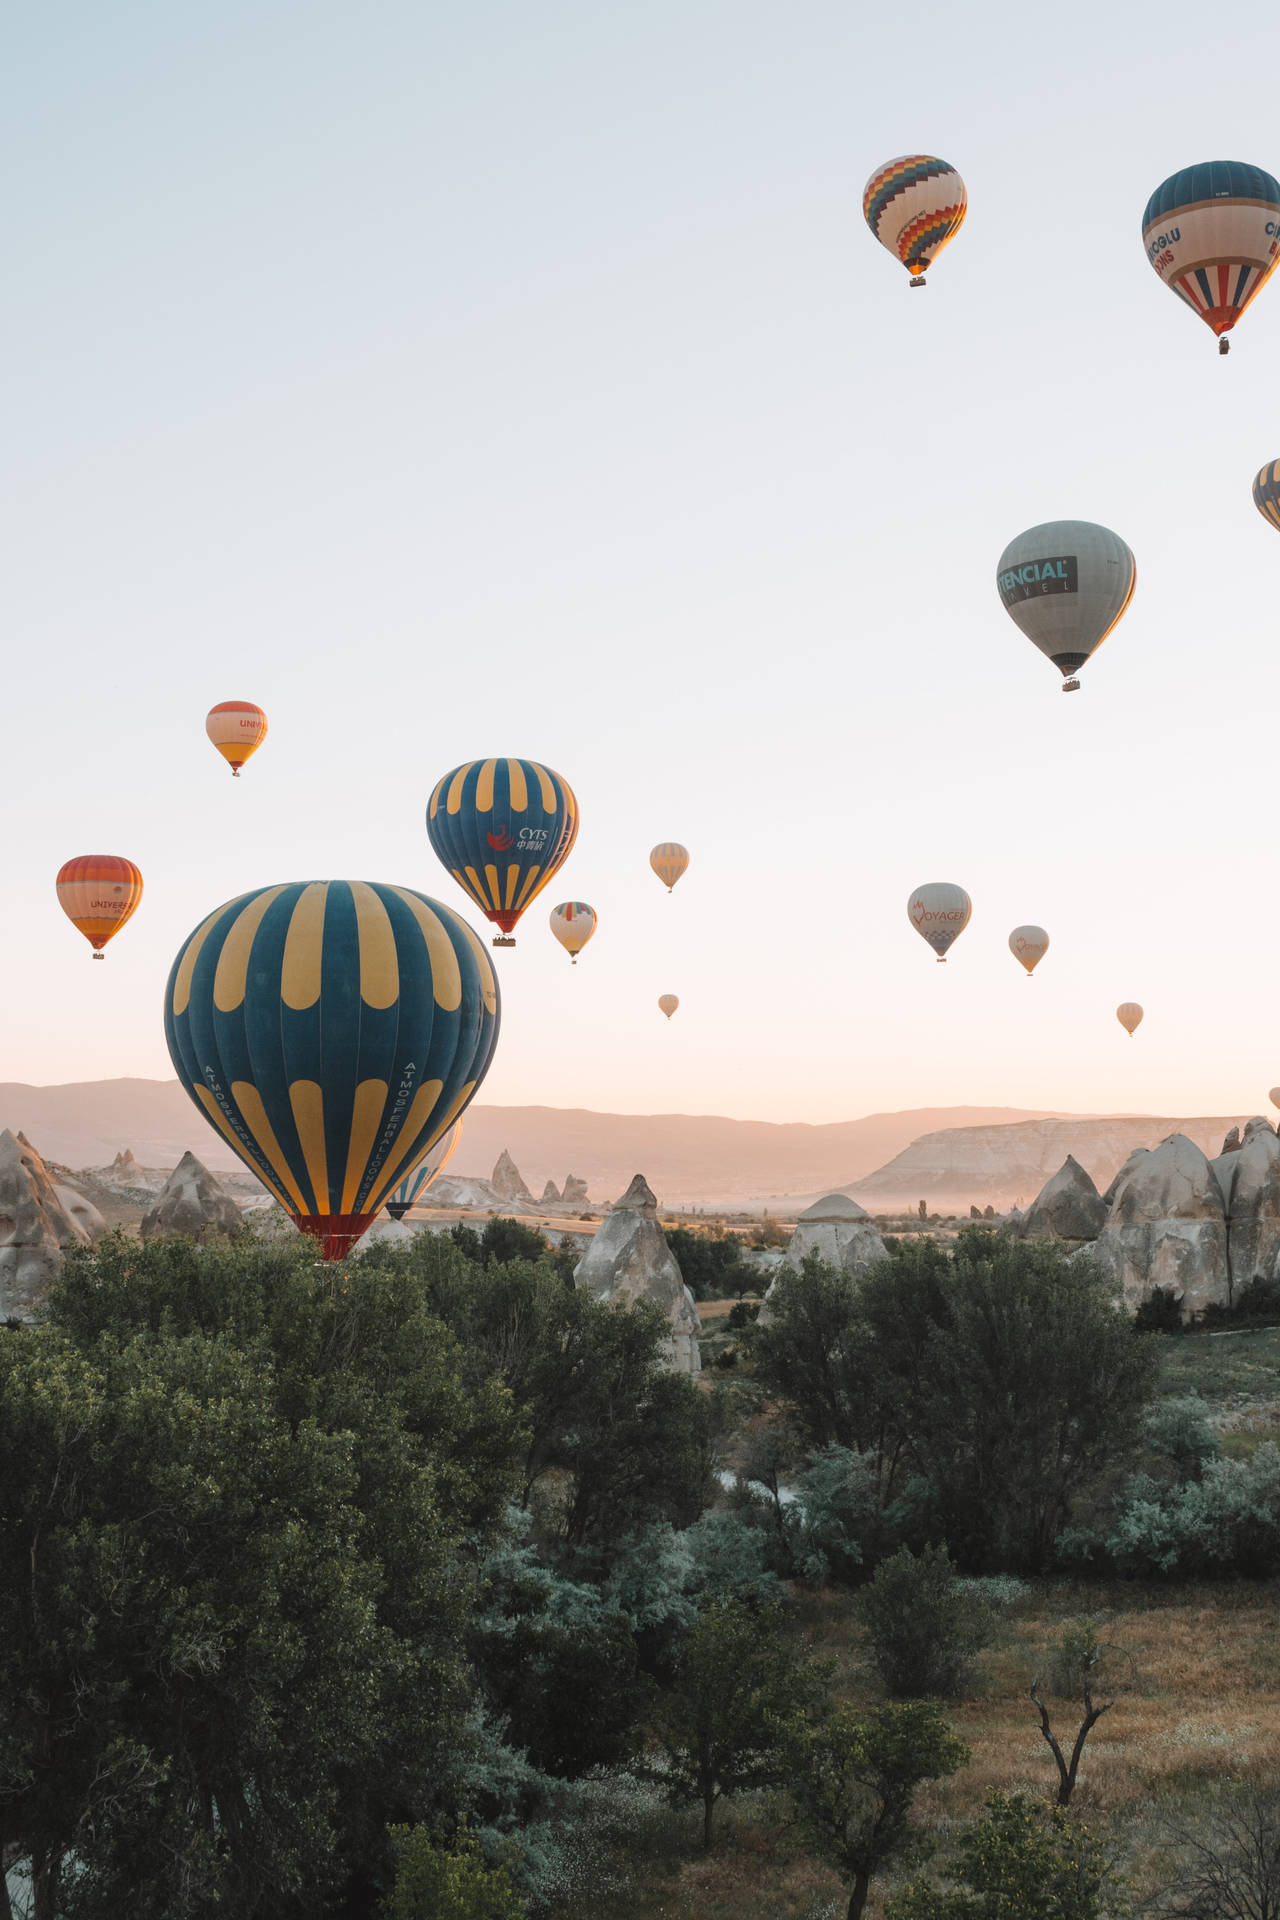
{"points": [[575, 1191], [1253, 1208], [1068, 1207], [191, 1201], [35, 1230], [551, 1194], [505, 1179], [82, 1211], [1167, 1227], [1232, 1142], [124, 1166], [629, 1260], [837, 1229]]}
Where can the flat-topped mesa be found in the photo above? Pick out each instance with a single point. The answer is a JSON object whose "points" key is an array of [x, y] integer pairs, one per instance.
{"points": [[1068, 1207], [506, 1181], [629, 1260], [1167, 1228], [191, 1202], [35, 1230]]}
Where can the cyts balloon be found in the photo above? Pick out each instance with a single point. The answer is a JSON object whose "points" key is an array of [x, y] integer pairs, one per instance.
{"points": [[573, 922], [1210, 232], [939, 912], [914, 205], [98, 892], [1129, 1014], [415, 1184], [1066, 584], [237, 728], [668, 1002], [332, 1031], [503, 828], [1029, 945], [669, 860]]}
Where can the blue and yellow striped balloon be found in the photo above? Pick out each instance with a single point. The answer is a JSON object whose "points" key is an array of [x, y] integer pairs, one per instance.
{"points": [[503, 828], [1266, 492], [331, 1030]]}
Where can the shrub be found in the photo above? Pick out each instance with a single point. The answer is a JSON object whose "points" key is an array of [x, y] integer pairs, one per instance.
{"points": [[1228, 1521], [1180, 1429], [743, 1313], [1160, 1312], [1025, 1861], [438, 1882], [925, 1625]]}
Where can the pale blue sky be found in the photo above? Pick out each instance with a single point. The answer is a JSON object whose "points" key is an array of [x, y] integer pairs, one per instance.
{"points": [[524, 380]]}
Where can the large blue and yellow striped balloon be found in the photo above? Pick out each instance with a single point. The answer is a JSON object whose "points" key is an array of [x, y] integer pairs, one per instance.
{"points": [[331, 1030], [503, 828]]}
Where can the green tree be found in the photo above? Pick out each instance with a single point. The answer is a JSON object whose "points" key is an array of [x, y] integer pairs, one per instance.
{"points": [[1025, 1861], [925, 1624], [853, 1781], [435, 1881], [739, 1678], [810, 1355], [711, 1266]]}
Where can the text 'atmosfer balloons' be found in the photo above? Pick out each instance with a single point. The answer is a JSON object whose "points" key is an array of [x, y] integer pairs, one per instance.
{"points": [[939, 912], [503, 829], [332, 1031]]}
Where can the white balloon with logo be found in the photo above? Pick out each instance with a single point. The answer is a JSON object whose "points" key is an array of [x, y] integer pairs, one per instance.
{"points": [[939, 912]]}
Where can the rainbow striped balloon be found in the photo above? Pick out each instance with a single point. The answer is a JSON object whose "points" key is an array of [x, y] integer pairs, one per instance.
{"points": [[573, 922], [914, 205]]}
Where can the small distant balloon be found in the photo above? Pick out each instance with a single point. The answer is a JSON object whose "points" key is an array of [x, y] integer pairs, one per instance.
{"points": [[939, 912], [1129, 1014], [1274, 1096], [668, 1002], [1066, 584], [1266, 492], [237, 728], [1210, 233], [1029, 945], [98, 892], [412, 1188], [914, 205], [573, 922], [669, 860]]}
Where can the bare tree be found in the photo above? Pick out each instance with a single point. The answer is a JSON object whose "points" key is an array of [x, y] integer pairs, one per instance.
{"points": [[1229, 1869], [1085, 1670]]}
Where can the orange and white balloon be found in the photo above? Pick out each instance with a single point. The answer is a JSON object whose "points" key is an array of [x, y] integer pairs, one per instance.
{"points": [[573, 922], [98, 892], [668, 1002], [237, 728], [669, 860], [1029, 945], [1129, 1014]]}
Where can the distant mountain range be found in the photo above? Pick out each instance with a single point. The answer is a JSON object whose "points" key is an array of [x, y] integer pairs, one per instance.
{"points": [[948, 1156]]}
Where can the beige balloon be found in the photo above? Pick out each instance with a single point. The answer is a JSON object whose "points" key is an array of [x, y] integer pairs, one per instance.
{"points": [[1274, 1096], [1029, 945], [939, 911], [1129, 1014], [668, 1002], [669, 860]]}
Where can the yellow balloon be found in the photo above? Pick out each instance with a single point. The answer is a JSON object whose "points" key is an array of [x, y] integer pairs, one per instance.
{"points": [[669, 860]]}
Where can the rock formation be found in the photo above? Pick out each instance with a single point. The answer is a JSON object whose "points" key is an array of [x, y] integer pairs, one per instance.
{"points": [[575, 1191], [35, 1230], [1068, 1207], [191, 1201], [1118, 1180], [1232, 1142], [551, 1194], [82, 1211], [124, 1166], [1251, 1195], [505, 1179], [629, 1259], [840, 1230], [1167, 1227]]}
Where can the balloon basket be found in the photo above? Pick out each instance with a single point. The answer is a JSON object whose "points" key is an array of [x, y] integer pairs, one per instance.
{"points": [[917, 280], [504, 940], [1071, 686], [1224, 346], [98, 956]]}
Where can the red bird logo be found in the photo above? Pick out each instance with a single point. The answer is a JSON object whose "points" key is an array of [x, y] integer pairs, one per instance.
{"points": [[500, 840]]}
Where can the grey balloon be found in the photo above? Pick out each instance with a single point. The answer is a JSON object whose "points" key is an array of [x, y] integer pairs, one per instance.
{"points": [[1066, 583]]}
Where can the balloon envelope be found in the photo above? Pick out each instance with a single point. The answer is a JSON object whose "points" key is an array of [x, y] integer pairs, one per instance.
{"points": [[237, 728], [668, 1002], [331, 1030], [914, 205], [1066, 584], [1129, 1014], [98, 892], [1274, 1096], [503, 828], [669, 860], [424, 1174], [1210, 233], [1029, 945], [573, 922], [939, 912], [1266, 492]]}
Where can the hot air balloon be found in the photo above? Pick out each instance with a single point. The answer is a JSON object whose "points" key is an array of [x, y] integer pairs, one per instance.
{"points": [[332, 1031], [1266, 492], [1029, 945], [1066, 584], [237, 728], [913, 206], [503, 828], [98, 893], [573, 922], [1129, 1014], [668, 1002], [415, 1184], [1211, 234], [1274, 1096], [669, 860], [939, 912]]}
